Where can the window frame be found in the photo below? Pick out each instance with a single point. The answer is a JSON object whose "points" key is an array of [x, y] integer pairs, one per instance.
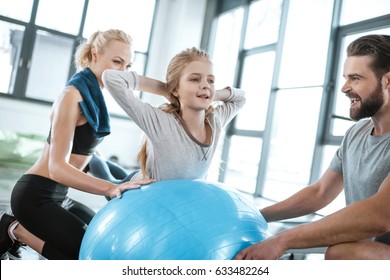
{"points": [[30, 31], [324, 136]]}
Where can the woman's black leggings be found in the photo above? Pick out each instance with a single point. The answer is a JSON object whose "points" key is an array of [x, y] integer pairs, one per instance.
{"points": [[41, 205]]}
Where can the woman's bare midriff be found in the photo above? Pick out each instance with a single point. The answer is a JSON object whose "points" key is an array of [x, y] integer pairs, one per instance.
{"points": [[41, 166]]}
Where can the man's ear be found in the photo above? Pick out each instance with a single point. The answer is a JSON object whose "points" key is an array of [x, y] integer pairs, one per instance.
{"points": [[387, 80]]}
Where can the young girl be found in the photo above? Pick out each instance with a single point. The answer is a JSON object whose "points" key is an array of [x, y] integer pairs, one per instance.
{"points": [[182, 136], [79, 122]]}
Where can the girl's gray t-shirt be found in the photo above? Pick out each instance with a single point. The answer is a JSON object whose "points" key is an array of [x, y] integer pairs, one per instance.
{"points": [[172, 152]]}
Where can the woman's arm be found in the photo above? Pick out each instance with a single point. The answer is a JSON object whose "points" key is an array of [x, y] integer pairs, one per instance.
{"points": [[66, 113]]}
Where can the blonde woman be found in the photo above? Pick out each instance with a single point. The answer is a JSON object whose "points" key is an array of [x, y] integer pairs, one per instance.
{"points": [[182, 135], [79, 122]]}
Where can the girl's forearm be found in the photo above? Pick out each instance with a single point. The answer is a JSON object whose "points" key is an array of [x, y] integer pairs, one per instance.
{"points": [[153, 86], [222, 94]]}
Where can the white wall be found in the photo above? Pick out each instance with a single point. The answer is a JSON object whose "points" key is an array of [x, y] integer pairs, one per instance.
{"points": [[178, 26], [22, 116]]}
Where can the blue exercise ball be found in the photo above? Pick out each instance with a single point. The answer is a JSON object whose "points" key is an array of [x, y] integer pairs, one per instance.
{"points": [[174, 220]]}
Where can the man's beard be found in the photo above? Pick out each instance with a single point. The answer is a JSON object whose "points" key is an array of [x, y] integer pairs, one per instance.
{"points": [[368, 107]]}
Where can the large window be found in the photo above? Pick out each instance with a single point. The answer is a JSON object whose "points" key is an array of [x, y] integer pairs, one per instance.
{"points": [[38, 41], [289, 63]]}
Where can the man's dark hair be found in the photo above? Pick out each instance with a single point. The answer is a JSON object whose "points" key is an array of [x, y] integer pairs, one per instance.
{"points": [[376, 46]]}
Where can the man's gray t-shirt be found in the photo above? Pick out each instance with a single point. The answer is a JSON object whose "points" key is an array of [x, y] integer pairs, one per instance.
{"points": [[364, 161]]}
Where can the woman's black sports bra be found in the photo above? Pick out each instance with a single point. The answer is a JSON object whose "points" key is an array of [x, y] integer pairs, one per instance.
{"points": [[84, 140]]}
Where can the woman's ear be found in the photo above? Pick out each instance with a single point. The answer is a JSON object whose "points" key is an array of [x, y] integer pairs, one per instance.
{"points": [[94, 54], [175, 93]]}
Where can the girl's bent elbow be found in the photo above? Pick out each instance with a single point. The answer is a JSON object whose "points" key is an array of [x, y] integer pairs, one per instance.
{"points": [[106, 77]]}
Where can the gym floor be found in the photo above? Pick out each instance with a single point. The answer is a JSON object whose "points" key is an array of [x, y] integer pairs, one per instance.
{"points": [[9, 176]]}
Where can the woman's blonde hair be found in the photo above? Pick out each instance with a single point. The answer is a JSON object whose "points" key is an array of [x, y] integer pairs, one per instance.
{"points": [[99, 41], [173, 75]]}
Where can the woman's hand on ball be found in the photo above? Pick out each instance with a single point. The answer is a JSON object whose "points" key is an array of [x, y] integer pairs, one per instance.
{"points": [[129, 185]]}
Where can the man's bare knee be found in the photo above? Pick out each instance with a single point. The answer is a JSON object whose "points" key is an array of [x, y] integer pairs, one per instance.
{"points": [[335, 252], [362, 250]]}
